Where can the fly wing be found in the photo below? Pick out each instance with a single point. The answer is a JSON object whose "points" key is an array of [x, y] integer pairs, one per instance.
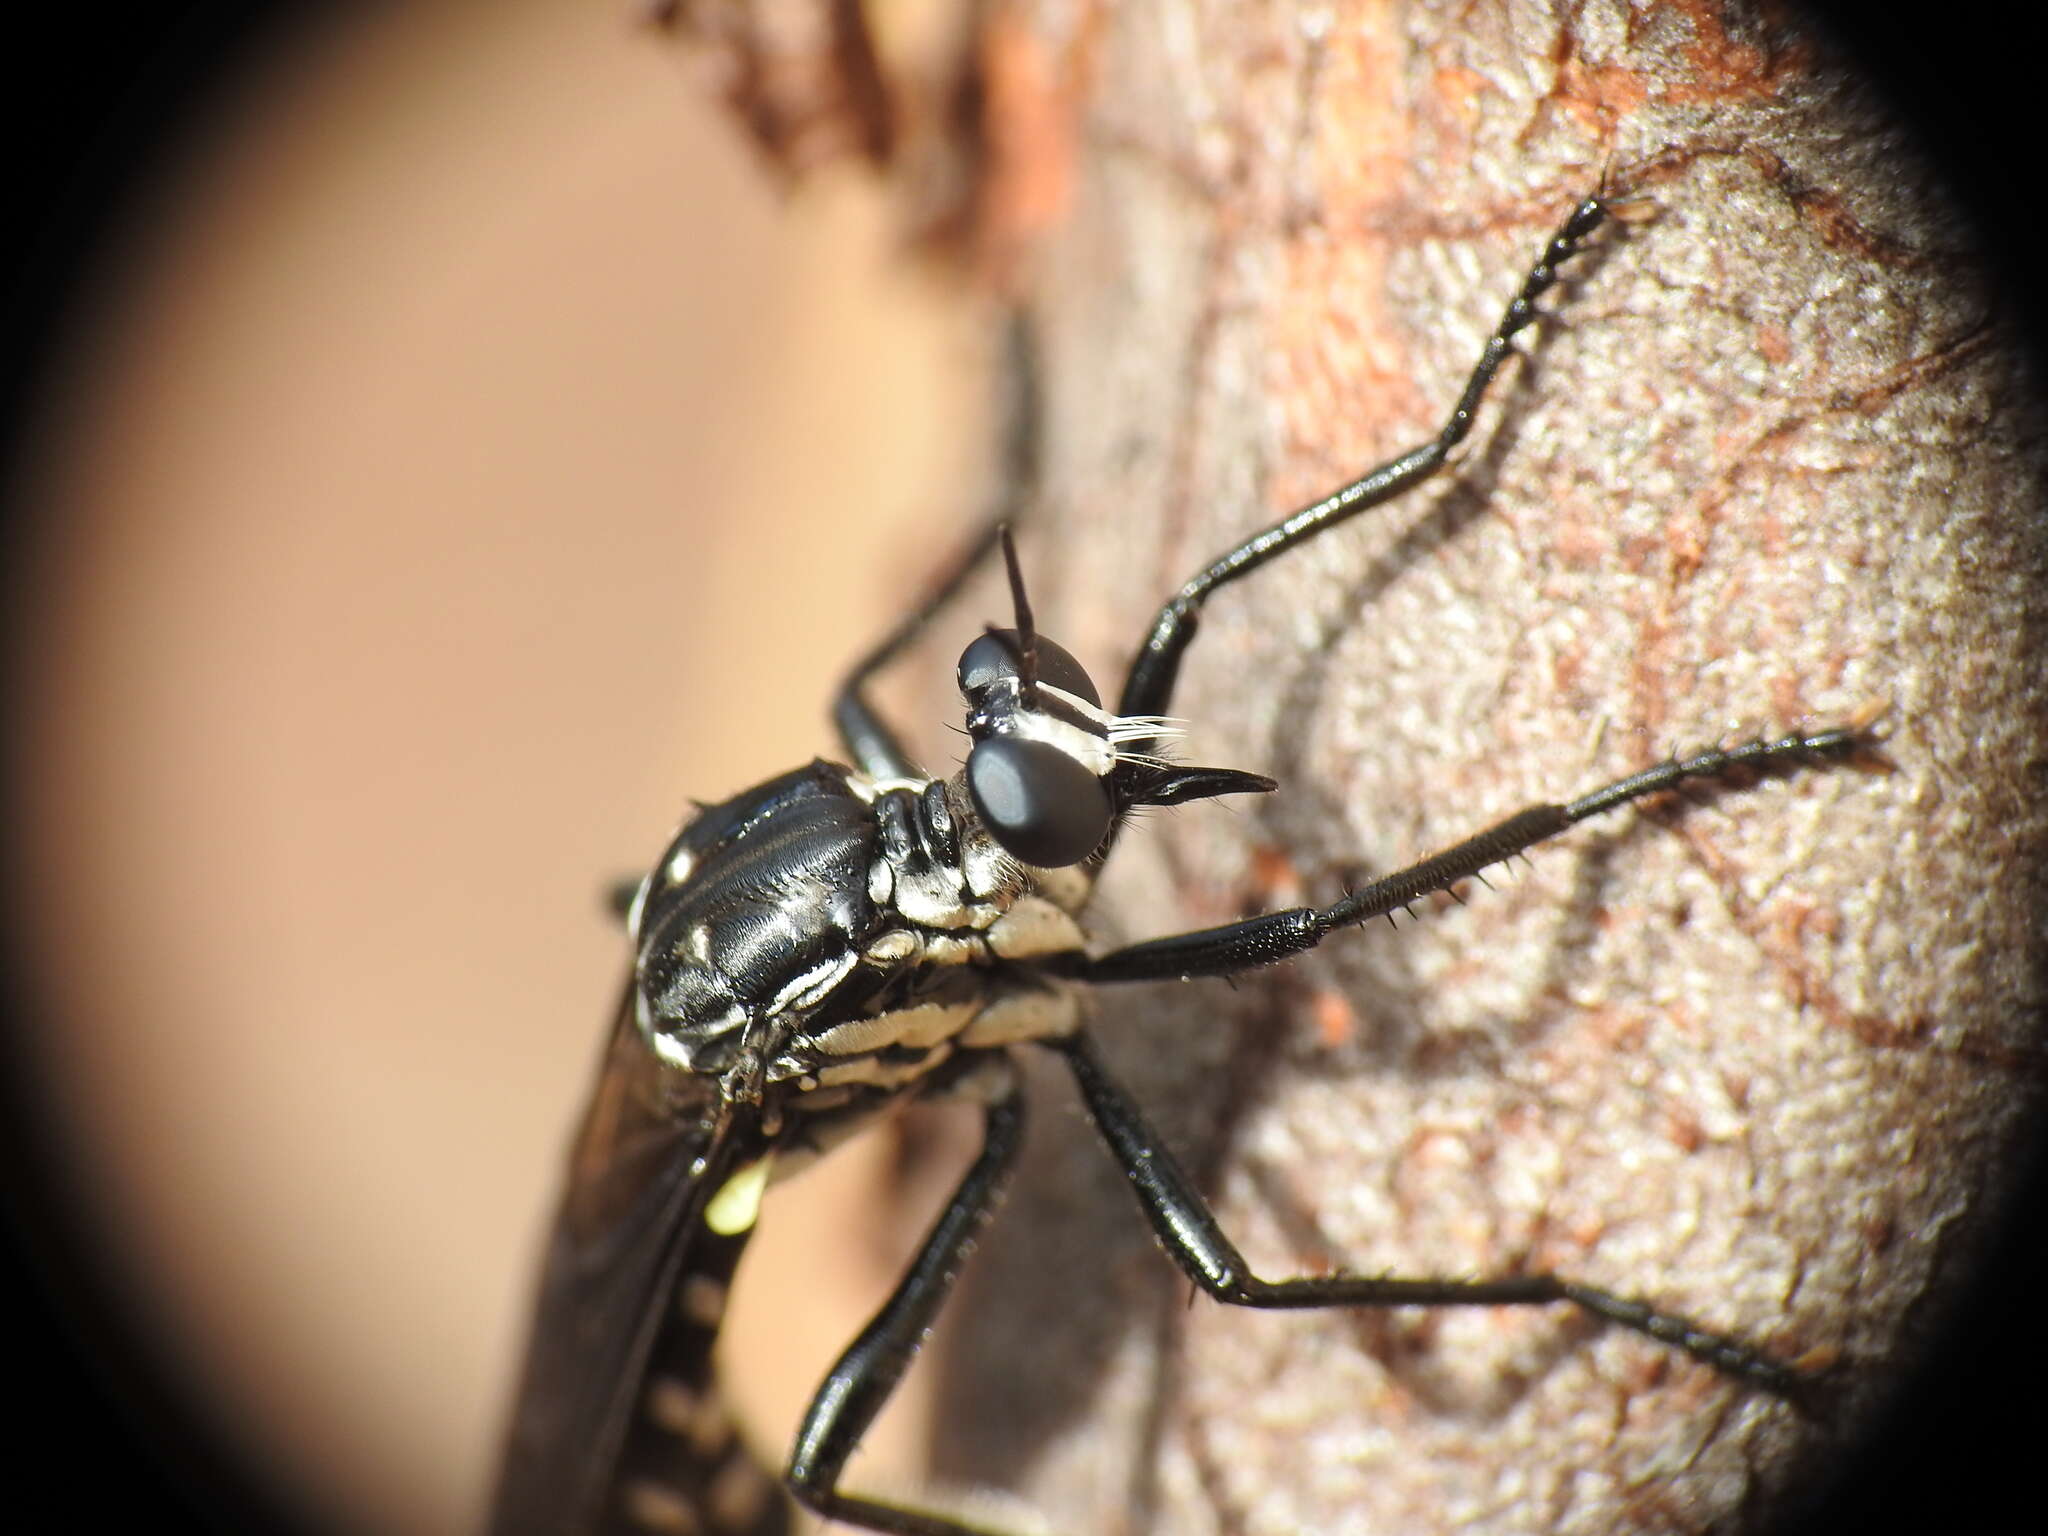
{"points": [[655, 1144]]}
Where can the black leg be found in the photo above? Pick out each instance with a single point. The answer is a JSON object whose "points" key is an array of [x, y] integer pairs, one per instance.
{"points": [[1274, 936], [868, 738], [1188, 1230], [868, 1372], [1148, 690]]}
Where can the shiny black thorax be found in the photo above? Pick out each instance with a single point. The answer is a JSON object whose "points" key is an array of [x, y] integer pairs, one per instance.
{"points": [[821, 940]]}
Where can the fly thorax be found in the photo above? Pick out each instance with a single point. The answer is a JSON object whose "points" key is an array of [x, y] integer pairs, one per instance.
{"points": [[932, 867], [755, 916]]}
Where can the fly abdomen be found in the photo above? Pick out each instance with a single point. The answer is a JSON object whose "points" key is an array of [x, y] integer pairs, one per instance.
{"points": [[685, 1470]]}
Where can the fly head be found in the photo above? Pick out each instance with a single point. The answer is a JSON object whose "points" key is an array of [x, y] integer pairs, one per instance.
{"points": [[1050, 771]]}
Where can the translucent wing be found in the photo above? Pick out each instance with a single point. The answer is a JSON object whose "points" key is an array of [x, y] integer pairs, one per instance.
{"points": [[630, 1266]]}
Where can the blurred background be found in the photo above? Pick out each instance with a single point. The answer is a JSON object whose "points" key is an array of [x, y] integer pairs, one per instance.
{"points": [[461, 453], [440, 451]]}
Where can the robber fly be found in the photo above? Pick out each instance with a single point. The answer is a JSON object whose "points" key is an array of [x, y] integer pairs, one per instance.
{"points": [[826, 946]]}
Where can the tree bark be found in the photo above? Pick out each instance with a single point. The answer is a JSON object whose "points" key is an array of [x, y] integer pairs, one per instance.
{"points": [[1765, 1056], [1765, 1059]]}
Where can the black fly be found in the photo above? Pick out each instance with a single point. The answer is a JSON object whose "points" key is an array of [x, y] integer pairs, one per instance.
{"points": [[827, 945]]}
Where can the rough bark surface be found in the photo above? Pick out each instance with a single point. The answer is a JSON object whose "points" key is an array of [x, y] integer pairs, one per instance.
{"points": [[1764, 1057], [1761, 1058]]}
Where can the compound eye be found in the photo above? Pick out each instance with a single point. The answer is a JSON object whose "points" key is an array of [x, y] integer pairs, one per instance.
{"points": [[1041, 805], [987, 661], [993, 656]]}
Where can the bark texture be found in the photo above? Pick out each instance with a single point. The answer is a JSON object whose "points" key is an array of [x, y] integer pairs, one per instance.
{"points": [[1766, 1058]]}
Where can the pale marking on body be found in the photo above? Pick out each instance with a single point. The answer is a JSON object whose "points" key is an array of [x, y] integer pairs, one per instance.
{"points": [[697, 1418], [736, 1207], [1037, 1014], [878, 1073], [991, 873], [1090, 749], [1034, 925], [657, 1507], [922, 1026], [672, 1048], [881, 881], [702, 1301], [936, 897], [895, 945], [954, 949], [638, 906], [693, 1416], [739, 1494], [870, 790], [809, 989]]}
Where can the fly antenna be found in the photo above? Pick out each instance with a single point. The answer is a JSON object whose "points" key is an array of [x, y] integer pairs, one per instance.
{"points": [[1027, 635]]}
